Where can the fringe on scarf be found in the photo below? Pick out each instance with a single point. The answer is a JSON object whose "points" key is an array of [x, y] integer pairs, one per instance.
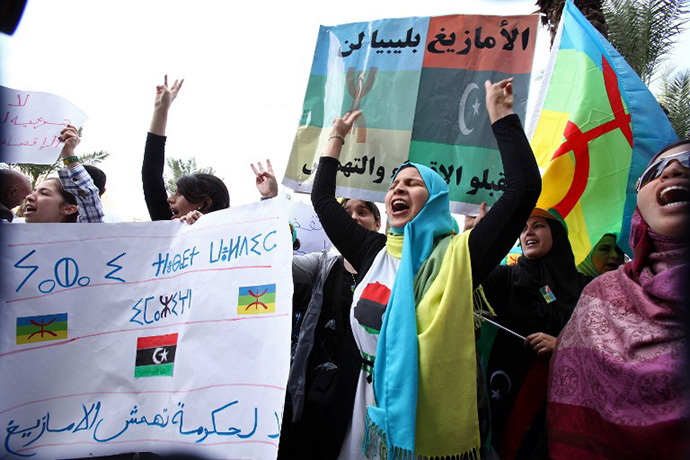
{"points": [[376, 438], [479, 301]]}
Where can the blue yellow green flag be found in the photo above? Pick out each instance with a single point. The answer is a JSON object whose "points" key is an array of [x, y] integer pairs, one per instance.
{"points": [[598, 128]]}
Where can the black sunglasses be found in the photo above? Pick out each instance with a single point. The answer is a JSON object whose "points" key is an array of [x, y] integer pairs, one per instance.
{"points": [[655, 169]]}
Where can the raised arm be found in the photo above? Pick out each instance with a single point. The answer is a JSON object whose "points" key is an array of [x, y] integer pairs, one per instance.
{"points": [[266, 182], [154, 154], [76, 180], [496, 233], [352, 240]]}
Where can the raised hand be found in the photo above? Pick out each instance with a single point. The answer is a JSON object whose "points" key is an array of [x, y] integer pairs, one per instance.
{"points": [[70, 136], [342, 126], [266, 181], [499, 98], [165, 96]]}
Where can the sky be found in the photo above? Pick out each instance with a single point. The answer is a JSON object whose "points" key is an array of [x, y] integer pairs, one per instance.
{"points": [[245, 65]]}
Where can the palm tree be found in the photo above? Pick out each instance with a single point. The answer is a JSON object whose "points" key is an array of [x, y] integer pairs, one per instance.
{"points": [[644, 31], [675, 99], [591, 9], [178, 168], [39, 173]]}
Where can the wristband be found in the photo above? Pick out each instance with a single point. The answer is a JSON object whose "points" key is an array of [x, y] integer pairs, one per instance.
{"points": [[337, 136], [70, 160]]}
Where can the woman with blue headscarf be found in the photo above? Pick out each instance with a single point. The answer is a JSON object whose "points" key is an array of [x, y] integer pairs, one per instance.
{"points": [[413, 386]]}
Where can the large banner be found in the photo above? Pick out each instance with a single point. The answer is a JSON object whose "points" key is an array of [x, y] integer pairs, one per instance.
{"points": [[146, 337], [30, 125], [420, 85]]}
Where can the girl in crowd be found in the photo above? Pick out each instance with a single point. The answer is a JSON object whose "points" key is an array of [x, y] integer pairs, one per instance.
{"points": [[619, 381], [71, 198], [317, 413], [604, 256], [534, 298], [197, 193], [412, 315]]}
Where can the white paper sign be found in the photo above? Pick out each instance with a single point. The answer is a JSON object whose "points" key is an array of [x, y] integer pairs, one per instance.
{"points": [[310, 233], [30, 125], [146, 337]]}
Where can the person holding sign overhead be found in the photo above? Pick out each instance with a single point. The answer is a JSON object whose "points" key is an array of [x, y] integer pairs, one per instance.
{"points": [[412, 313], [71, 198]]}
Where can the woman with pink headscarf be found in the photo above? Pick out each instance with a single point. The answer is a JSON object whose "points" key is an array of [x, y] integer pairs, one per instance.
{"points": [[619, 382]]}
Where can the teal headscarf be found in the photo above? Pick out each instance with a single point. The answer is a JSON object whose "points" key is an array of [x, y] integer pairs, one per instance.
{"points": [[396, 366]]}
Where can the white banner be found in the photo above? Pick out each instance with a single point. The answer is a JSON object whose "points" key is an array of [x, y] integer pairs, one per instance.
{"points": [[146, 337], [30, 125]]}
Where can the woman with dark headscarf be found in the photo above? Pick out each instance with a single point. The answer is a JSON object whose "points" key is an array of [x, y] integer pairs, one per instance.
{"points": [[535, 299], [619, 382]]}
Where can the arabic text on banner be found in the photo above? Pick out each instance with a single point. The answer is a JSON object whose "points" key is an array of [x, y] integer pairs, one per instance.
{"points": [[146, 337], [420, 85], [30, 125]]}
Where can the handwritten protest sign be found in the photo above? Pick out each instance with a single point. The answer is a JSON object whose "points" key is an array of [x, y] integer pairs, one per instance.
{"points": [[159, 336], [420, 85], [30, 124], [310, 232]]}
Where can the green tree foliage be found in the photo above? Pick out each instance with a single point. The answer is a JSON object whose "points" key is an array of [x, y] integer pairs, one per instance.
{"points": [[553, 9], [675, 99], [645, 31], [39, 173], [178, 167]]}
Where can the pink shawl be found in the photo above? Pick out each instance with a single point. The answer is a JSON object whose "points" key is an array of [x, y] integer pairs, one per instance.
{"points": [[619, 385]]}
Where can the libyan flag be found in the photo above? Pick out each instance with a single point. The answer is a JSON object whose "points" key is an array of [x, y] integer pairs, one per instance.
{"points": [[599, 126], [155, 355]]}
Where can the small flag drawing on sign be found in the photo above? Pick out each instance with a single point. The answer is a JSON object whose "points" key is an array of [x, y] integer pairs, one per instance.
{"points": [[42, 328], [155, 355], [253, 300]]}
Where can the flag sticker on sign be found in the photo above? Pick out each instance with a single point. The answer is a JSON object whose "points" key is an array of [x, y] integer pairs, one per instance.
{"points": [[253, 300], [155, 356], [41, 328]]}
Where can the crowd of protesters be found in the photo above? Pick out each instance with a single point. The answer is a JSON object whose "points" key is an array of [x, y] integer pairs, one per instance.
{"points": [[391, 356]]}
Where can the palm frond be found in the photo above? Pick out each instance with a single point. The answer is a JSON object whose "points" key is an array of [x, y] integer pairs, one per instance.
{"points": [[178, 167], [675, 99], [645, 31]]}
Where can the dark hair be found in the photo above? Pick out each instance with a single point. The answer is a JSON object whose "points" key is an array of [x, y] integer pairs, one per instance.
{"points": [[98, 177], [204, 188], [68, 198], [372, 207]]}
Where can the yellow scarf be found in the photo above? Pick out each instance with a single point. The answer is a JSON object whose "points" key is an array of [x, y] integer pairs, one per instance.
{"points": [[447, 422]]}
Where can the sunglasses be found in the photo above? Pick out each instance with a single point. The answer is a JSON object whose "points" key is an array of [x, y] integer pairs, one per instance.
{"points": [[655, 169]]}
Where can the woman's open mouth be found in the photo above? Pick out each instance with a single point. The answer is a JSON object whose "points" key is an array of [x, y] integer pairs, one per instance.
{"points": [[399, 206], [675, 195]]}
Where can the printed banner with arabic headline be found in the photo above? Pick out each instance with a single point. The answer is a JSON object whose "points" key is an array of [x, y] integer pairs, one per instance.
{"points": [[420, 85]]}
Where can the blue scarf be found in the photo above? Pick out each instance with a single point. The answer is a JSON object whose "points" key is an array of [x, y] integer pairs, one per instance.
{"points": [[397, 364]]}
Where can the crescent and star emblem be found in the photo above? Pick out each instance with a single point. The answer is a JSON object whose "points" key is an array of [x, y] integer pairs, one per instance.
{"points": [[160, 355], [463, 103], [496, 394]]}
